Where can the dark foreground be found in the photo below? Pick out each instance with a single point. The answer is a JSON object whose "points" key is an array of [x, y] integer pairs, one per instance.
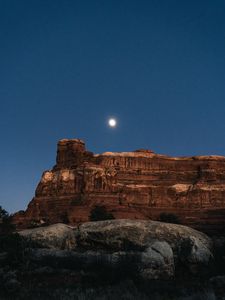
{"points": [[118, 259]]}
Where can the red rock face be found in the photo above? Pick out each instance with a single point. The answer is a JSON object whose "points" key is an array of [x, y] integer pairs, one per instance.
{"points": [[135, 185]]}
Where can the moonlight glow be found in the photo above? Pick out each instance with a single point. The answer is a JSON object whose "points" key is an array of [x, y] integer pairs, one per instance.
{"points": [[112, 122]]}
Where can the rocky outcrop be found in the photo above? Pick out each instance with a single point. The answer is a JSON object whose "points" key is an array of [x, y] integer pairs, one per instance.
{"points": [[113, 259], [147, 249], [133, 185], [57, 236]]}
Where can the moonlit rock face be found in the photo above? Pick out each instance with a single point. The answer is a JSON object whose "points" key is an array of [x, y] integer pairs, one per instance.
{"points": [[112, 122], [47, 176]]}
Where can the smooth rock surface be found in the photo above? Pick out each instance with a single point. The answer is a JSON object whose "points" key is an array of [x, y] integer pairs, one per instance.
{"points": [[152, 250], [57, 236]]}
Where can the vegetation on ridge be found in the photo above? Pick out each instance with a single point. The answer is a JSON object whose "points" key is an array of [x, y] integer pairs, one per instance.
{"points": [[99, 213]]}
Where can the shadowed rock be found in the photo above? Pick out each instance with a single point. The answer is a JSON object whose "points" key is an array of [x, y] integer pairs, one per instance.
{"points": [[152, 250]]}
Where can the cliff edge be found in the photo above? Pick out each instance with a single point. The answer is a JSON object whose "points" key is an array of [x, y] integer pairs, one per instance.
{"points": [[131, 185]]}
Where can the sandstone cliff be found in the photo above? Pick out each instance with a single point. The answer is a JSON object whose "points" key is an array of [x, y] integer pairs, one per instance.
{"points": [[134, 185]]}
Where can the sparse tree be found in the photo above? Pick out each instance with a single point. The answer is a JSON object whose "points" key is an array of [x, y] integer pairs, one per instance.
{"points": [[6, 225], [169, 218], [99, 213]]}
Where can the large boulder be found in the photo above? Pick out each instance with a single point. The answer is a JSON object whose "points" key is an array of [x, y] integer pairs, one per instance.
{"points": [[57, 236], [152, 250]]}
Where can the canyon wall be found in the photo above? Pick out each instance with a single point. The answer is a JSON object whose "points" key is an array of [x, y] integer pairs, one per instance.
{"points": [[134, 185]]}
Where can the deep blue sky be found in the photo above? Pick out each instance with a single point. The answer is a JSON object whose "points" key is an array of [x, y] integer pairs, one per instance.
{"points": [[65, 66]]}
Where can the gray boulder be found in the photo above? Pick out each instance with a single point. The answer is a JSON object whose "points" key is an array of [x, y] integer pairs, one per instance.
{"points": [[157, 261], [57, 236], [152, 250]]}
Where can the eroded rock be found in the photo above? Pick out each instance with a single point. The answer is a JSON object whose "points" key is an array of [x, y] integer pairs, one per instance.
{"points": [[131, 185], [152, 250], [57, 236]]}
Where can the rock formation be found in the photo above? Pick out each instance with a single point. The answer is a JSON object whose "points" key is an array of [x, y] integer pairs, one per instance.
{"points": [[133, 185], [113, 259], [153, 250]]}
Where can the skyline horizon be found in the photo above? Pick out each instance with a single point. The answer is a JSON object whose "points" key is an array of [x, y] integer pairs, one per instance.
{"points": [[157, 67], [100, 153]]}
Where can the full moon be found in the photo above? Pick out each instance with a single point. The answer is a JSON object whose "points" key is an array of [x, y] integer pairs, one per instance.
{"points": [[112, 122]]}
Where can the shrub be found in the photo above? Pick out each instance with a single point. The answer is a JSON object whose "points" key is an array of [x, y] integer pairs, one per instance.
{"points": [[99, 213], [6, 225], [64, 218], [169, 218], [12, 245], [15, 250], [33, 224]]}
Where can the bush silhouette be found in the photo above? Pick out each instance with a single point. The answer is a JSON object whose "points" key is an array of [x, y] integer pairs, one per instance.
{"points": [[169, 218], [99, 213], [6, 225]]}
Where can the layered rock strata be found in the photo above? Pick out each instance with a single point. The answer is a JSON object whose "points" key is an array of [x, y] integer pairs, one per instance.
{"points": [[134, 185]]}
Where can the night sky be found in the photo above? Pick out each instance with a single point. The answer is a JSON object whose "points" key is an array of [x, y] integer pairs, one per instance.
{"points": [[158, 66]]}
